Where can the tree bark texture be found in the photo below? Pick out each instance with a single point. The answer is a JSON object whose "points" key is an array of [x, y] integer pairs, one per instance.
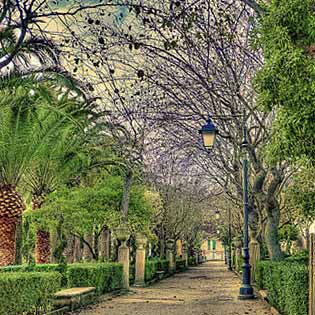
{"points": [[7, 241], [42, 243]]}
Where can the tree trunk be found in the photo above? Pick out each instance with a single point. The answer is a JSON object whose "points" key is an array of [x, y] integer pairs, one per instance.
{"points": [[271, 236], [96, 246], [87, 254], [105, 244], [126, 195], [42, 244], [69, 250], [78, 250], [7, 241], [18, 242], [42, 247]]}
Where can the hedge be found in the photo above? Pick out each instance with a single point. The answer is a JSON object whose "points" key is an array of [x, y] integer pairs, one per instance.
{"points": [[287, 285], [151, 267], [154, 265], [180, 265], [27, 292], [79, 274], [105, 277], [192, 261], [39, 268]]}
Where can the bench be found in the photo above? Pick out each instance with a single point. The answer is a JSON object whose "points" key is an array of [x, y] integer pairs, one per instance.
{"points": [[73, 298]]}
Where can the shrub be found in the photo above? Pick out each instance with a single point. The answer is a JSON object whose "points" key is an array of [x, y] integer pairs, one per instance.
{"points": [[23, 292], [192, 261], [105, 277], [151, 267], [287, 285], [39, 268], [163, 265], [180, 265]]}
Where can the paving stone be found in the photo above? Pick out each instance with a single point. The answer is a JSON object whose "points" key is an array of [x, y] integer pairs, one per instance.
{"points": [[208, 289]]}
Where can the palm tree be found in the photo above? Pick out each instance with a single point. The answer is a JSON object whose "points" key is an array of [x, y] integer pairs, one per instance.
{"points": [[57, 163], [31, 115]]}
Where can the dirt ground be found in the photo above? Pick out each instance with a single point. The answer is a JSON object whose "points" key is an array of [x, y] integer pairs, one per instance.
{"points": [[208, 289]]}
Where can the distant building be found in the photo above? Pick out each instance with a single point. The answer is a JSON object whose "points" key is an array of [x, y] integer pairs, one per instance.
{"points": [[213, 249]]}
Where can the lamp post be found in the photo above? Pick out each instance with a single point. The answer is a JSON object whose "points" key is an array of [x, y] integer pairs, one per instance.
{"points": [[209, 133]]}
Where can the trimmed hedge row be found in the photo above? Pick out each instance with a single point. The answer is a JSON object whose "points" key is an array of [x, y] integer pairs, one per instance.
{"points": [[287, 285], [27, 292], [180, 265], [192, 261], [104, 276], [154, 265]]}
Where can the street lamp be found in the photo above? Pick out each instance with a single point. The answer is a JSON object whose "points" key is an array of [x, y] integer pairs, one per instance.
{"points": [[208, 133]]}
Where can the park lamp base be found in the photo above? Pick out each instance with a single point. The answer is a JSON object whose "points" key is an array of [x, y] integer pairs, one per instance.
{"points": [[246, 293]]}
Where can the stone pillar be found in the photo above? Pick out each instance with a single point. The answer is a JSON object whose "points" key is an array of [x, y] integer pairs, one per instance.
{"points": [[179, 248], [170, 255], [140, 259], [312, 270], [122, 235], [185, 253], [254, 252]]}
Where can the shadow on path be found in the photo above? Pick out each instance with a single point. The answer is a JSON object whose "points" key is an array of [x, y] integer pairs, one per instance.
{"points": [[208, 289]]}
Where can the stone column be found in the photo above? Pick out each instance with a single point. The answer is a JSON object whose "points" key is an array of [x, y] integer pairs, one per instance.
{"points": [[140, 259], [170, 255], [254, 252], [312, 270], [179, 248], [122, 235], [185, 253]]}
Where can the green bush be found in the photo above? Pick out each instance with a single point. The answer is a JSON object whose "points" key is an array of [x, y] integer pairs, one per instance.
{"points": [[163, 265], [39, 268], [105, 277], [180, 264], [29, 292], [192, 261], [287, 285], [151, 267]]}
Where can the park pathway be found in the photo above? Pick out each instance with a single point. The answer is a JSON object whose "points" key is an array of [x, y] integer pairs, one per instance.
{"points": [[208, 289]]}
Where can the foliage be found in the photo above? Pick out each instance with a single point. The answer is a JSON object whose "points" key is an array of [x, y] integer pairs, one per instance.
{"points": [[105, 277], [286, 81], [289, 232], [192, 261], [300, 195], [151, 267], [180, 265], [154, 265], [83, 209], [27, 292], [287, 285]]}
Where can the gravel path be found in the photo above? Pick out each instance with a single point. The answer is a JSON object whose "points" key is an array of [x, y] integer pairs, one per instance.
{"points": [[208, 289]]}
